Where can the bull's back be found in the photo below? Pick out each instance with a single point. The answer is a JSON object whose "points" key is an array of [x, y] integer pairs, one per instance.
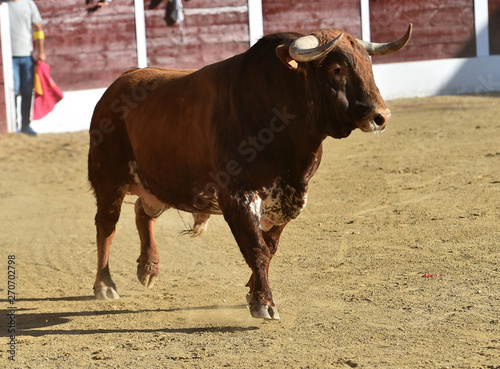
{"points": [[129, 91], [156, 120]]}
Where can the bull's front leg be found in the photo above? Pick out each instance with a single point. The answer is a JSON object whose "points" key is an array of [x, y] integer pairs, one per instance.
{"points": [[272, 238], [241, 211]]}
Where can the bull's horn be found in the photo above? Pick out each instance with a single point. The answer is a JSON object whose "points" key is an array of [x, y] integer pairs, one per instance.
{"points": [[307, 48], [375, 48]]}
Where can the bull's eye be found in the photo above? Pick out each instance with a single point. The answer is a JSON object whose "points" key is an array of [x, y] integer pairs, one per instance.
{"points": [[336, 73]]}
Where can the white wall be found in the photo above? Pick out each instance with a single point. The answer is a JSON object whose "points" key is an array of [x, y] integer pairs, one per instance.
{"points": [[438, 77], [73, 113]]}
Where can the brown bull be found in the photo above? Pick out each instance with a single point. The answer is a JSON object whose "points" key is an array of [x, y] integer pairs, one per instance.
{"points": [[241, 138]]}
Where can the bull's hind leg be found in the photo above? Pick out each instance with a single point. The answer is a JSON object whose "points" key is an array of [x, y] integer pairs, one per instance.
{"points": [[108, 212], [149, 260]]}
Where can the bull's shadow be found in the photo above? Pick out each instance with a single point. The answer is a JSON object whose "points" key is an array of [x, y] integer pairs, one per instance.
{"points": [[31, 323]]}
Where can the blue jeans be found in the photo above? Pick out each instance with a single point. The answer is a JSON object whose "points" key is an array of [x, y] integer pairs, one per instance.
{"points": [[24, 73]]}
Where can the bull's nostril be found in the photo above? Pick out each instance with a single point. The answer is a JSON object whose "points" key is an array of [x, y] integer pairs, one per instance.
{"points": [[379, 120], [382, 116]]}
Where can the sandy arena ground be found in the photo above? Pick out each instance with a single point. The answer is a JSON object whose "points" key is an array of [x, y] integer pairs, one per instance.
{"points": [[423, 198]]}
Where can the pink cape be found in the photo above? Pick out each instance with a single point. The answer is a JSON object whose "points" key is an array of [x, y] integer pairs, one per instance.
{"points": [[50, 95]]}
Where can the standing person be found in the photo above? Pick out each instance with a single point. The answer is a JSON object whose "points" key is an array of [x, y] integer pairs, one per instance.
{"points": [[25, 26]]}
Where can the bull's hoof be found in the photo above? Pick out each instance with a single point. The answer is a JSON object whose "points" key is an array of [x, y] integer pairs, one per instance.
{"points": [[147, 272], [106, 293], [264, 312]]}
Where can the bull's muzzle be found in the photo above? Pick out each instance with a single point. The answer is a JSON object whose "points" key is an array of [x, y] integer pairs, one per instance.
{"points": [[377, 121]]}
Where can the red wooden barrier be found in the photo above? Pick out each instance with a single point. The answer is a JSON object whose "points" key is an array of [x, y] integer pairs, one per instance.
{"points": [[213, 30], [309, 16], [441, 29], [88, 51], [494, 31]]}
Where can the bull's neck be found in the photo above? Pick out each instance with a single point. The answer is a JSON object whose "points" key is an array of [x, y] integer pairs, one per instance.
{"points": [[284, 99], [264, 113]]}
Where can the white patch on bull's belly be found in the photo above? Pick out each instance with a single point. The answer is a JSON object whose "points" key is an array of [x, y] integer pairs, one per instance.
{"points": [[280, 204], [150, 203]]}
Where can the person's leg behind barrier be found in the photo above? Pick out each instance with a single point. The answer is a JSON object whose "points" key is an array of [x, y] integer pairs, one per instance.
{"points": [[27, 81]]}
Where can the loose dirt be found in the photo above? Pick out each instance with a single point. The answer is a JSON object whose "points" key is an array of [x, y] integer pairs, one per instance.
{"points": [[394, 263]]}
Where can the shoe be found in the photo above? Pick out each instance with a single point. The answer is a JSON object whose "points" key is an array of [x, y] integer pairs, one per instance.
{"points": [[29, 131]]}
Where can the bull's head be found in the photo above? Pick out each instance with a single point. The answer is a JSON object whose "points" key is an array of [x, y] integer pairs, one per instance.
{"points": [[338, 74]]}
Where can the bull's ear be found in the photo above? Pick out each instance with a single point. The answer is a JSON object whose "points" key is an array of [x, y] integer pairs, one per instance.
{"points": [[284, 55]]}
